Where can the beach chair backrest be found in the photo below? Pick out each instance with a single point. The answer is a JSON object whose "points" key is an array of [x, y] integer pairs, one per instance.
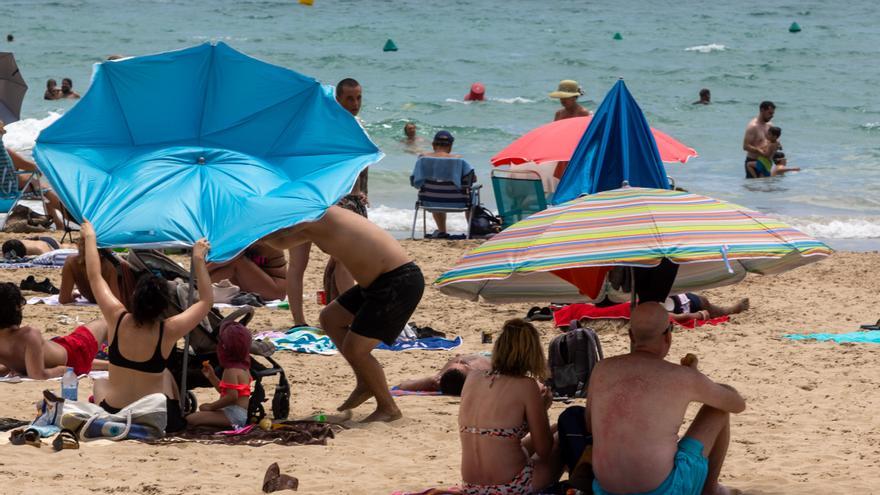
{"points": [[9, 191], [443, 182], [518, 194]]}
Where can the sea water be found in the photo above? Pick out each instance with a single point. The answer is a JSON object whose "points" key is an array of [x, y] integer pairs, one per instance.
{"points": [[824, 80]]}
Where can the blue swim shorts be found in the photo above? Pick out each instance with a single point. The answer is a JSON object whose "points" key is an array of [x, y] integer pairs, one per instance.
{"points": [[688, 474]]}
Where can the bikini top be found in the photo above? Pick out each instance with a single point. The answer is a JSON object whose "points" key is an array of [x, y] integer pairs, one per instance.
{"points": [[156, 363], [517, 432], [243, 389]]}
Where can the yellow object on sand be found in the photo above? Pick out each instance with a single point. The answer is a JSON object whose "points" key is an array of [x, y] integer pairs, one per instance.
{"points": [[265, 424]]}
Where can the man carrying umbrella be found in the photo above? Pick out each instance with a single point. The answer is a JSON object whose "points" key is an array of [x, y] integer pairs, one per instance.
{"points": [[642, 454]]}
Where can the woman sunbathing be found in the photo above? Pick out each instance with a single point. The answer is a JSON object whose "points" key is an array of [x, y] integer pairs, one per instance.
{"points": [[141, 342], [260, 269], [507, 443]]}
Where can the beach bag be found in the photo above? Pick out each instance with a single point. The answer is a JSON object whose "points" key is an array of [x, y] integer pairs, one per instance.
{"points": [[484, 222], [572, 357], [143, 419]]}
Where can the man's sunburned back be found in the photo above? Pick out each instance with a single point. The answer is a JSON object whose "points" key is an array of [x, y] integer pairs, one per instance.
{"points": [[637, 404], [364, 248], [14, 343]]}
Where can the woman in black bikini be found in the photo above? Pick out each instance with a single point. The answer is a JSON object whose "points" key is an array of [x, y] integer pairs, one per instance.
{"points": [[140, 342]]}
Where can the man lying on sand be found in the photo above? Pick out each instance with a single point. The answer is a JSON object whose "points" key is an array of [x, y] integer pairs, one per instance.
{"points": [[450, 379], [31, 246], [24, 351], [389, 288], [636, 407], [690, 306]]}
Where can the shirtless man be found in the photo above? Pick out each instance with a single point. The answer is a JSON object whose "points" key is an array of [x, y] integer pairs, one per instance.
{"points": [[450, 379], [31, 246], [755, 140], [636, 407], [389, 288], [24, 351], [67, 89]]}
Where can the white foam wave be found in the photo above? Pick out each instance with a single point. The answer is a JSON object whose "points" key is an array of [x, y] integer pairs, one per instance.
{"points": [[871, 125], [838, 228], [23, 134], [400, 220], [711, 47], [514, 100], [509, 101]]}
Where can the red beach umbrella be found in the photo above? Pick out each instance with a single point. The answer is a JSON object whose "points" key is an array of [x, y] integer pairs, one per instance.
{"points": [[557, 141]]}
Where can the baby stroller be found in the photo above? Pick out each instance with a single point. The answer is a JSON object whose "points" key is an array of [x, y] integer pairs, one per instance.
{"points": [[203, 342]]}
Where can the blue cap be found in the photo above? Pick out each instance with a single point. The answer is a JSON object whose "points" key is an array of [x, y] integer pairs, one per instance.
{"points": [[444, 138]]}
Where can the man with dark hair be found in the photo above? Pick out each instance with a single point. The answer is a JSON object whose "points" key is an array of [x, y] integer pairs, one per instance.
{"points": [[450, 379], [442, 145], [755, 140], [24, 351], [705, 97], [642, 452], [32, 246], [67, 89]]}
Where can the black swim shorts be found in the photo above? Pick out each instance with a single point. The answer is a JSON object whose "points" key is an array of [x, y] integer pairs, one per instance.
{"points": [[383, 309]]}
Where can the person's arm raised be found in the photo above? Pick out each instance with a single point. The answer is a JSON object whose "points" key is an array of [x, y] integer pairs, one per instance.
{"points": [[111, 308], [539, 424], [65, 294], [180, 325]]}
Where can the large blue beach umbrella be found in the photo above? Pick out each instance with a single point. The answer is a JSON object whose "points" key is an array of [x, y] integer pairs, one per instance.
{"points": [[202, 142], [617, 147]]}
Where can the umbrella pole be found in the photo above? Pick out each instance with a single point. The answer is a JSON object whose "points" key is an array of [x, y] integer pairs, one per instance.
{"points": [[190, 298], [632, 289]]}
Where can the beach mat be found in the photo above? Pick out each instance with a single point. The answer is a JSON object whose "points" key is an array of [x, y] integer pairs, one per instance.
{"points": [[282, 433], [311, 340], [869, 337], [454, 490], [81, 301], [563, 316], [95, 375]]}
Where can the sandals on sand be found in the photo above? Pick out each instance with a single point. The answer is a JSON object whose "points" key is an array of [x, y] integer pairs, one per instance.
{"points": [[539, 314], [274, 481], [65, 440], [25, 437]]}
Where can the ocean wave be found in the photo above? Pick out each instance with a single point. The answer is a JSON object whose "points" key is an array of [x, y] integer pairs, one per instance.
{"points": [[23, 134], [838, 228], [515, 99], [712, 47], [401, 219], [871, 126]]}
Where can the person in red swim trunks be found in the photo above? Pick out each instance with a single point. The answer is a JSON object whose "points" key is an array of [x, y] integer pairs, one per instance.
{"points": [[24, 350]]}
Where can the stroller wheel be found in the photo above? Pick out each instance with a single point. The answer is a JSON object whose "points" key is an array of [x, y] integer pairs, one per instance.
{"points": [[192, 404]]}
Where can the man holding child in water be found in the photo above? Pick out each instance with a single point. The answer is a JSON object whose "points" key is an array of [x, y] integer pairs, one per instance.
{"points": [[764, 157]]}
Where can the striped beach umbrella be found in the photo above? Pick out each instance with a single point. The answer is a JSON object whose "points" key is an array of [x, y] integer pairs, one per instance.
{"points": [[565, 253]]}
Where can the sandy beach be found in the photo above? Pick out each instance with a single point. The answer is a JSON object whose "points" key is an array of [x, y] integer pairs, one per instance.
{"points": [[811, 425]]}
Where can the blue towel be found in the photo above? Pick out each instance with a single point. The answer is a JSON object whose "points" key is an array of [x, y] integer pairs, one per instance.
{"points": [[440, 169], [430, 344], [870, 337]]}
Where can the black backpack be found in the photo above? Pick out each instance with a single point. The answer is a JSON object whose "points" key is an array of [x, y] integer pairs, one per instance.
{"points": [[484, 222], [572, 357]]}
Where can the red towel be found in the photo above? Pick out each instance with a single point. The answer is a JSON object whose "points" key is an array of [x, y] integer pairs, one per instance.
{"points": [[563, 316]]}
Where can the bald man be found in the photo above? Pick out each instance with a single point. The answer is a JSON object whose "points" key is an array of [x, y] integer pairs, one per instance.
{"points": [[636, 406]]}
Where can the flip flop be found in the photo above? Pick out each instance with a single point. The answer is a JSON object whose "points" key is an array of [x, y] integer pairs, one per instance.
{"points": [[539, 314], [65, 440], [274, 481], [32, 438]]}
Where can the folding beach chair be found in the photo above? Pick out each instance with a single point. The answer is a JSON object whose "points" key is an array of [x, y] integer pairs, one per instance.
{"points": [[446, 185], [10, 192], [518, 194]]}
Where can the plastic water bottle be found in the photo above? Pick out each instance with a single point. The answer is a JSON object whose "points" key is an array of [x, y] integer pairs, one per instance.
{"points": [[69, 384]]}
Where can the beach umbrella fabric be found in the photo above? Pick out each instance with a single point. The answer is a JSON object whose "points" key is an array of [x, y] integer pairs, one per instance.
{"points": [[565, 252], [12, 89], [202, 142], [617, 149], [557, 141]]}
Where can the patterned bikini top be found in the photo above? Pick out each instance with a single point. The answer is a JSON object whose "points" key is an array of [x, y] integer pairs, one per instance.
{"points": [[518, 432]]}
